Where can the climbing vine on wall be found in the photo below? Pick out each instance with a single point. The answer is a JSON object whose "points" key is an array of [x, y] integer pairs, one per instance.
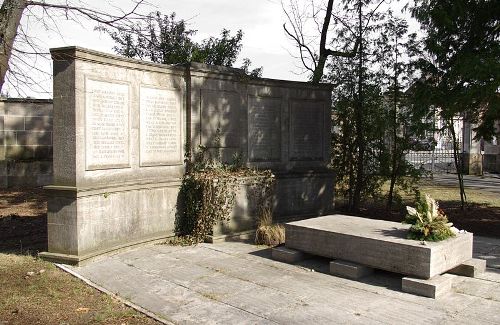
{"points": [[208, 193]]}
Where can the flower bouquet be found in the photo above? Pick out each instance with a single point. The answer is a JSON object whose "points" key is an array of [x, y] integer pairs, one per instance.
{"points": [[428, 221]]}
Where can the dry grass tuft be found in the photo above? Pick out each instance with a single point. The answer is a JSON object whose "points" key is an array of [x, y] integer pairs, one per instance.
{"points": [[268, 233]]}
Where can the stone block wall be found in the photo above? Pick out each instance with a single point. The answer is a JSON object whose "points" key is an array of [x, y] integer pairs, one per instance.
{"points": [[25, 142]]}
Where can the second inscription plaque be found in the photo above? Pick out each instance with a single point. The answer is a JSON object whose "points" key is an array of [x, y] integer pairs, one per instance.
{"points": [[160, 127]]}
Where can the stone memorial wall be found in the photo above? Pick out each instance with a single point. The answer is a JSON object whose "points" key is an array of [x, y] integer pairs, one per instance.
{"points": [[161, 127], [120, 131], [107, 108], [306, 130], [264, 129]]}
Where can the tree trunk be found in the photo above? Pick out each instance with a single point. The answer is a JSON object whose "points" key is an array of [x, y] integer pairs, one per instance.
{"points": [[10, 17], [323, 54], [458, 165], [360, 141], [395, 148]]}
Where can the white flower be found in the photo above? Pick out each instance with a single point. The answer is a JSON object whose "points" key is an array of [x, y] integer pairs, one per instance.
{"points": [[432, 207], [411, 211]]}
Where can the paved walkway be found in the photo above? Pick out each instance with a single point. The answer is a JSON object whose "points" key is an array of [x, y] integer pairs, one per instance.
{"points": [[237, 283], [489, 182]]}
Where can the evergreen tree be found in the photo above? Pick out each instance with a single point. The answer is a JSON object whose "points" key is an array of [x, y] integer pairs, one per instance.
{"points": [[359, 150], [395, 55], [164, 39], [461, 68]]}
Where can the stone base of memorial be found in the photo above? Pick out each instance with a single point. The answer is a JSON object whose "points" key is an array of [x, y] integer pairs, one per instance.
{"points": [[296, 195], [378, 244], [83, 223]]}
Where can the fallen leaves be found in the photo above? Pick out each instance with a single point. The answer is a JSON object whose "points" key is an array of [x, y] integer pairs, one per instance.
{"points": [[33, 273], [82, 310]]}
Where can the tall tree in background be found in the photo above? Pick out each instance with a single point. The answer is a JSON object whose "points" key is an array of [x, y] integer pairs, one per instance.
{"points": [[345, 28], [359, 89], [461, 69], [19, 51], [164, 39], [394, 55]]}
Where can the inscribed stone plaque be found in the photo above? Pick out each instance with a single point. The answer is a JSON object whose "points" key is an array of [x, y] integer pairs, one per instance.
{"points": [[160, 127], [106, 125], [264, 128], [220, 113], [306, 130]]}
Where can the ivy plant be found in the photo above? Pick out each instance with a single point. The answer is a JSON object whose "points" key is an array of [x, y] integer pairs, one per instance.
{"points": [[208, 193]]}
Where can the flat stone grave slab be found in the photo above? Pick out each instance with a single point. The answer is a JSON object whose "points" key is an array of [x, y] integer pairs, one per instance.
{"points": [[377, 243]]}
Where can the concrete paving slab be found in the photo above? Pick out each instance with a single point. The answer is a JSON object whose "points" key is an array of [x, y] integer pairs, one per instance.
{"points": [[431, 288], [349, 270], [488, 249], [236, 283], [287, 255], [471, 268]]}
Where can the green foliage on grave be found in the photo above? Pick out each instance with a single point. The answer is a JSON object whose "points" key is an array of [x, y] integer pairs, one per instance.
{"points": [[208, 193], [428, 221]]}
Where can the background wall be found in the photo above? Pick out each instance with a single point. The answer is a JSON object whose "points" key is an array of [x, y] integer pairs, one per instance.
{"points": [[25, 142]]}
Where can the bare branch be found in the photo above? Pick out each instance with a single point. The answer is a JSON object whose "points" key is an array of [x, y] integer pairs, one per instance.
{"points": [[301, 45], [372, 13], [350, 54], [96, 15], [24, 60]]}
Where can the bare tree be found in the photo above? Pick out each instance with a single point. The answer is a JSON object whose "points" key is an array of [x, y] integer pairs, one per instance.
{"points": [[20, 52], [313, 59]]}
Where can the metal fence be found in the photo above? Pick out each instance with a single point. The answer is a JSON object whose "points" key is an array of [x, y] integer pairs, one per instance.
{"points": [[435, 161], [436, 155]]}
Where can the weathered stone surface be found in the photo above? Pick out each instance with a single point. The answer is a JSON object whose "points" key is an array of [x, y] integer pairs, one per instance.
{"points": [[161, 127], [378, 244], [304, 194], [470, 268], [13, 123], [434, 287], [107, 129], [306, 130], [85, 223], [121, 128], [264, 128], [25, 142], [38, 123], [287, 255], [221, 118], [237, 283], [349, 270], [34, 138]]}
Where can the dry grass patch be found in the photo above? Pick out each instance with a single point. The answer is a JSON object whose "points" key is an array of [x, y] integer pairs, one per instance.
{"points": [[268, 233], [449, 193], [36, 292]]}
